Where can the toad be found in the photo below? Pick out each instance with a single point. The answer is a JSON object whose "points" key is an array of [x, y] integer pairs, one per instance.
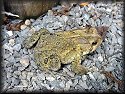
{"points": [[64, 47]]}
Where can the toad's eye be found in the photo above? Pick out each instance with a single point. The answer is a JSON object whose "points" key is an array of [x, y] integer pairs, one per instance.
{"points": [[94, 43]]}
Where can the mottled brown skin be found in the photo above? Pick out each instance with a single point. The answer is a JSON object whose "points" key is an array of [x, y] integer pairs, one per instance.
{"points": [[63, 47]]}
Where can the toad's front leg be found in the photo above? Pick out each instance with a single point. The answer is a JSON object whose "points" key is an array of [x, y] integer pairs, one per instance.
{"points": [[77, 67]]}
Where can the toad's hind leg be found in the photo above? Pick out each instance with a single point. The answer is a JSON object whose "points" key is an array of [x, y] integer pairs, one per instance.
{"points": [[77, 67], [30, 41]]}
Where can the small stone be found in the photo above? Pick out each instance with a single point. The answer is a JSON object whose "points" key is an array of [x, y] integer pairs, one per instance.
{"points": [[91, 75], [62, 84], [109, 68], [109, 10], [50, 78], [65, 18], [24, 62], [32, 20], [86, 16], [11, 42], [70, 73], [41, 76], [15, 81], [8, 47], [50, 13], [29, 75], [25, 83], [120, 40], [22, 27], [17, 47], [10, 33], [84, 77], [83, 84], [27, 22], [100, 58]]}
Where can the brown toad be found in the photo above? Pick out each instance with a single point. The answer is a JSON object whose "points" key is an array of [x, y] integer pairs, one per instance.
{"points": [[52, 49]]}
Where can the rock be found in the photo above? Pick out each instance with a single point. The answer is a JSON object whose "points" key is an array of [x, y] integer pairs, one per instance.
{"points": [[109, 68], [91, 76], [15, 81], [24, 61], [10, 33], [50, 13], [50, 78], [29, 76], [68, 84], [86, 16], [27, 22], [25, 83], [84, 77], [65, 18], [17, 47], [120, 40], [22, 27], [100, 58], [108, 10], [83, 84], [41, 76], [11, 42], [70, 73], [8, 47], [62, 84]]}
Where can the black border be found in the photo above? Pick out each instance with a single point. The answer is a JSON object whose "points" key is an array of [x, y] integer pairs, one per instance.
{"points": [[1, 3]]}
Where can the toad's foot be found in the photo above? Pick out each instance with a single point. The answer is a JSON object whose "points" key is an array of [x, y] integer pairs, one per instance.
{"points": [[77, 68]]}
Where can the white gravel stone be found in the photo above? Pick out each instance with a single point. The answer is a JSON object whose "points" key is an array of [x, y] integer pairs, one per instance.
{"points": [[100, 58], [22, 27], [10, 33], [83, 84], [50, 78], [11, 42], [91, 76], [120, 40], [8, 47], [24, 62], [84, 77], [25, 83], [17, 47], [41, 76], [27, 22]]}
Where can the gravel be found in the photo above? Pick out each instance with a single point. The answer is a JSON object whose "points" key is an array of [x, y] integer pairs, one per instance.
{"points": [[22, 74]]}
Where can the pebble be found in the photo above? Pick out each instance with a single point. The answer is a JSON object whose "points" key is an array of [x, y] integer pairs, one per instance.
{"points": [[11, 42], [62, 84], [120, 40], [24, 83], [84, 77], [22, 27], [100, 58], [83, 84], [70, 73], [50, 78], [10, 33], [24, 62], [91, 76], [17, 47], [27, 22], [8, 47], [41, 76], [15, 81]]}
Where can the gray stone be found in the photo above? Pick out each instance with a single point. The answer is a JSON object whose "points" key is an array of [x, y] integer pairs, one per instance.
{"points": [[24, 83], [70, 73], [29, 76], [15, 81], [120, 40], [86, 16], [83, 84], [17, 47], [41, 76], [62, 84]]}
